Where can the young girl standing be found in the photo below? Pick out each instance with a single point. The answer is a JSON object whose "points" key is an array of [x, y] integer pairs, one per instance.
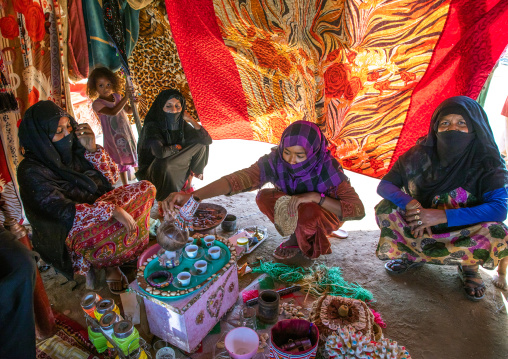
{"points": [[112, 110]]}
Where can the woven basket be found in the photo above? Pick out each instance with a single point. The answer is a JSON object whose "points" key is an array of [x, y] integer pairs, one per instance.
{"points": [[284, 224]]}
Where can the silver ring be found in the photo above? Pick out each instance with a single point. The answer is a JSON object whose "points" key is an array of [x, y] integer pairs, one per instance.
{"points": [[420, 223]]}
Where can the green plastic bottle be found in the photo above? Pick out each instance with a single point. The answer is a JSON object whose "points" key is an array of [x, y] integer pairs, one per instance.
{"points": [[98, 339], [126, 337]]}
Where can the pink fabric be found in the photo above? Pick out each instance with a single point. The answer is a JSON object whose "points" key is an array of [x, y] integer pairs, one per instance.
{"points": [[118, 138], [249, 294]]}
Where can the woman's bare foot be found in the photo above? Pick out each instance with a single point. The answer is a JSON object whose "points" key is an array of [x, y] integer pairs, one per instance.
{"points": [[116, 280], [499, 279]]}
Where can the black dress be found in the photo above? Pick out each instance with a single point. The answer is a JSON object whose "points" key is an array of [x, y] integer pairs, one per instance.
{"points": [[159, 161]]}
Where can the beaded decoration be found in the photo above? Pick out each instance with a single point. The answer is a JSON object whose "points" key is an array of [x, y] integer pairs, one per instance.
{"points": [[159, 274]]}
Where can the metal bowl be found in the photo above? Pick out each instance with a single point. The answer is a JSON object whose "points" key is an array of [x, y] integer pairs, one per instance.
{"points": [[203, 207]]}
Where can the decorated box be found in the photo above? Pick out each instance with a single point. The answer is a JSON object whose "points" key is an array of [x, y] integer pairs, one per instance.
{"points": [[185, 320]]}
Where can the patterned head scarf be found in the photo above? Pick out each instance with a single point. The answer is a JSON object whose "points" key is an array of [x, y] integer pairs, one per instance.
{"points": [[318, 173], [36, 131]]}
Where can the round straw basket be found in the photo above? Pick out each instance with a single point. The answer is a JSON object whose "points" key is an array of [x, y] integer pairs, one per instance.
{"points": [[284, 224]]}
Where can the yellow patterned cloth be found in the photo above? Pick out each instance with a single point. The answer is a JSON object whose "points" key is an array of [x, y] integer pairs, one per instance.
{"points": [[370, 72], [154, 63]]}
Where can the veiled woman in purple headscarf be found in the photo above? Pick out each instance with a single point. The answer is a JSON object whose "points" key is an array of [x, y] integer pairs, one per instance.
{"points": [[301, 167]]}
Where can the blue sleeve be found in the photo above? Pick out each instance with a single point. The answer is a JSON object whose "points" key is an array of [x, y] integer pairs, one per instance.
{"points": [[391, 192], [493, 209]]}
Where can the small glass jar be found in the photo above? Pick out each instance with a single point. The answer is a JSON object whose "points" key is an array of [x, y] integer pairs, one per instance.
{"points": [[249, 318], [243, 242]]}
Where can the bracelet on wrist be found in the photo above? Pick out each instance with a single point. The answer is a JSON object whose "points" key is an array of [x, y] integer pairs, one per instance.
{"points": [[322, 200]]}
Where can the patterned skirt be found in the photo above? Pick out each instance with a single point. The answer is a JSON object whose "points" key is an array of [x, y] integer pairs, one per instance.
{"points": [[483, 243], [106, 244]]}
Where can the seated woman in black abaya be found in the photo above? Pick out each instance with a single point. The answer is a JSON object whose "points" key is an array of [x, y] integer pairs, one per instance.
{"points": [[173, 147]]}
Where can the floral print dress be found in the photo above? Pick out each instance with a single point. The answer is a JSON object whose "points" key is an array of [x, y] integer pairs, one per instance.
{"points": [[98, 240], [482, 243]]}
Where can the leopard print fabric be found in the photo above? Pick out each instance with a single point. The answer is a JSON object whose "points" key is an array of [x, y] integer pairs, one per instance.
{"points": [[154, 63]]}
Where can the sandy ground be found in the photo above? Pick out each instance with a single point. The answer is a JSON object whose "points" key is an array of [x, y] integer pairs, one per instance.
{"points": [[425, 309]]}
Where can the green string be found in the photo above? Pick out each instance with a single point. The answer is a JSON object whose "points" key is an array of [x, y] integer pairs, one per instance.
{"points": [[330, 282], [280, 271]]}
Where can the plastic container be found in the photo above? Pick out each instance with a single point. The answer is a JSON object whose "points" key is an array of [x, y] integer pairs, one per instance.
{"points": [[89, 302], [126, 337], [105, 305], [98, 339], [107, 322]]}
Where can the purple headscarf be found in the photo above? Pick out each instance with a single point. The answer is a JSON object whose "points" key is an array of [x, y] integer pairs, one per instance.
{"points": [[318, 173]]}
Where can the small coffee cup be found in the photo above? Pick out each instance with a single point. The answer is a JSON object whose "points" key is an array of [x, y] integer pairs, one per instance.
{"points": [[209, 240], [200, 266], [214, 252], [190, 241], [192, 251], [184, 278]]}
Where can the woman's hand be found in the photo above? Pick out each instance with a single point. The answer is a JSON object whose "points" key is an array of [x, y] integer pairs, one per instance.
{"points": [[189, 119], [421, 219], [126, 219], [175, 198], [86, 137], [298, 199]]}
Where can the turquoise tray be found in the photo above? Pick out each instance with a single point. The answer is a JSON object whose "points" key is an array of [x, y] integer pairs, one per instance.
{"points": [[187, 265]]}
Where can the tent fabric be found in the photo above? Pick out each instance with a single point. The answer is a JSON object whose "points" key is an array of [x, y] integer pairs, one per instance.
{"points": [[370, 73], [154, 63], [33, 59], [77, 42], [100, 50]]}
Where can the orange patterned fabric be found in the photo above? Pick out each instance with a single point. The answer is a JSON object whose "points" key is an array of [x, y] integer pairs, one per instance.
{"points": [[369, 72]]}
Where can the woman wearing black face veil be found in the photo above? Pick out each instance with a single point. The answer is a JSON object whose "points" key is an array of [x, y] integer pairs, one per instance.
{"points": [[79, 221], [446, 198], [172, 147]]}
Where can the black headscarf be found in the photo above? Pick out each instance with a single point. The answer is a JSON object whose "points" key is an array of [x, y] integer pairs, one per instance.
{"points": [[170, 125], [52, 182], [160, 125], [448, 160], [38, 127]]}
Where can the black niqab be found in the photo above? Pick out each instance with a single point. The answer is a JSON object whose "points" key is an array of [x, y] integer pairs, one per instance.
{"points": [[36, 130], [446, 161], [159, 123]]}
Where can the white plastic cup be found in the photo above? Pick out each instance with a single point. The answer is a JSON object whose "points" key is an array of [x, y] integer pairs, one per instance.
{"points": [[184, 278], [192, 251], [209, 240], [200, 266], [214, 252]]}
